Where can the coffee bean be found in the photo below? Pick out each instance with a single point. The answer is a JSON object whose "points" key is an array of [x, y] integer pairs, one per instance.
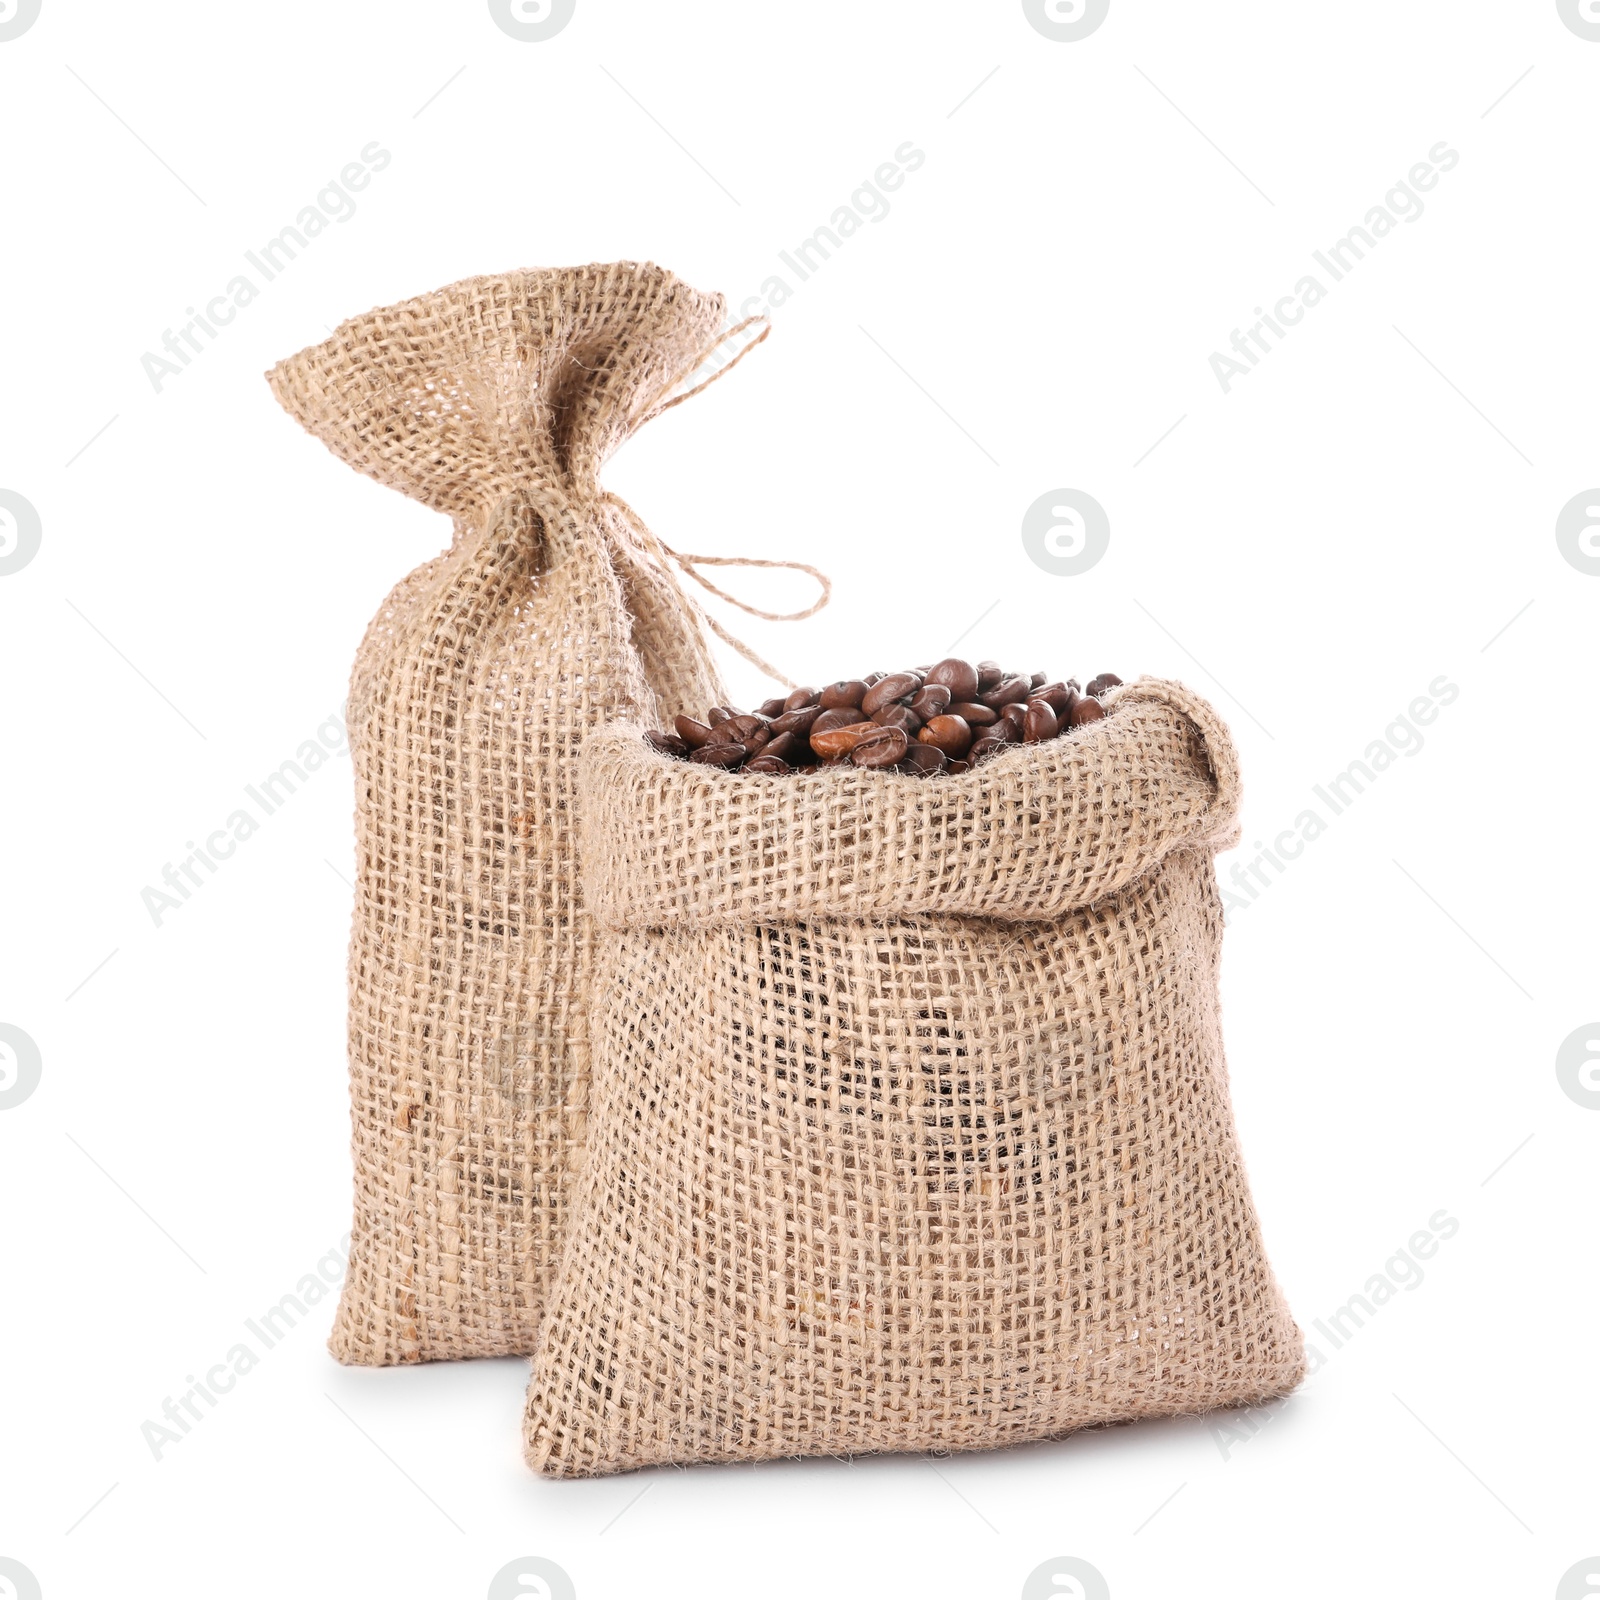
{"points": [[669, 744], [736, 729], [799, 720], [694, 734], [896, 715], [948, 717], [838, 717], [847, 694], [958, 676], [948, 733], [1008, 692], [887, 690], [923, 760], [1039, 722], [835, 743], [979, 715], [883, 747], [719, 755]]}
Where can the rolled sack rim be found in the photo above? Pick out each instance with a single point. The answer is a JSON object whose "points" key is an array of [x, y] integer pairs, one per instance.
{"points": [[669, 842]]}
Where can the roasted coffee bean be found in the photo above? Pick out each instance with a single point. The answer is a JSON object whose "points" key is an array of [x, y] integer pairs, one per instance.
{"points": [[948, 733], [958, 676], [1039, 722], [974, 712], [738, 728], [844, 695], [835, 743], [896, 715], [669, 744], [948, 717], [887, 690], [923, 760], [694, 734], [1010, 691], [797, 721], [838, 717], [719, 755], [883, 747]]}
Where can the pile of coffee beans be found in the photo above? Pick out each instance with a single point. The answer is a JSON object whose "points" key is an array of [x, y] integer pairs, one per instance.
{"points": [[943, 718]]}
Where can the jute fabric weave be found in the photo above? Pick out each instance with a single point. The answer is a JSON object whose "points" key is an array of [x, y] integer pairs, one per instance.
{"points": [[494, 401], [909, 1127]]}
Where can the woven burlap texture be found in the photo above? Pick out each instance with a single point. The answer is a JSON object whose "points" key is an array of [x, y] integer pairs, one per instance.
{"points": [[910, 1127], [495, 401]]}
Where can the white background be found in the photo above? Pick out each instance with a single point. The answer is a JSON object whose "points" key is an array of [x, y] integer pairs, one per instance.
{"points": [[1372, 507]]}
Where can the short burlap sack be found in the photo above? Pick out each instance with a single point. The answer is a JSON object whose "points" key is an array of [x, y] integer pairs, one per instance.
{"points": [[910, 1126], [553, 611]]}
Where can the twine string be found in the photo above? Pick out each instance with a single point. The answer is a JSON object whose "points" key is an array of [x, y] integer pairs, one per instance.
{"points": [[648, 541], [652, 541]]}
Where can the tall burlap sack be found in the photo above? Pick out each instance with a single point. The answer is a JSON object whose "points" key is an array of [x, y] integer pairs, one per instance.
{"points": [[494, 401], [910, 1126]]}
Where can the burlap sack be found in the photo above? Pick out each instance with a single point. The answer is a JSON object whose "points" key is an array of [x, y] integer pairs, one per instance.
{"points": [[910, 1125], [495, 401]]}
